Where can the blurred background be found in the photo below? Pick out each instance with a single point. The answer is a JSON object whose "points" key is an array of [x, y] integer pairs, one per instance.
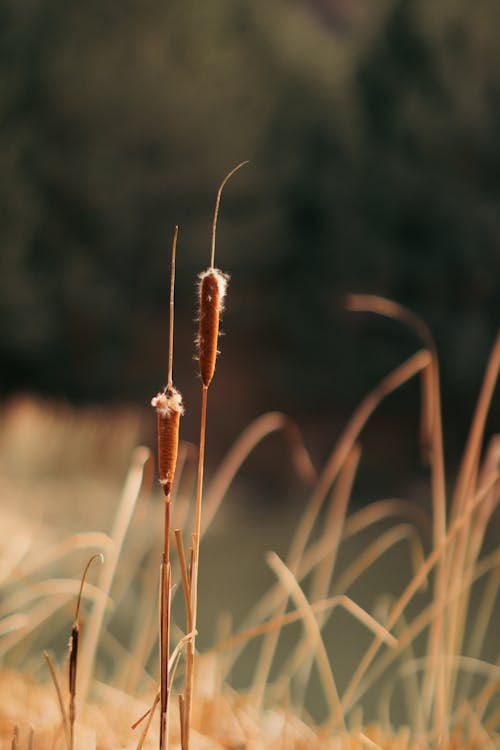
{"points": [[373, 134]]}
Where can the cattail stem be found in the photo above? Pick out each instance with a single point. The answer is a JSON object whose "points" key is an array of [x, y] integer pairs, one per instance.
{"points": [[165, 573], [164, 649], [217, 205], [190, 649], [169, 409], [201, 464], [171, 309], [184, 577], [212, 290]]}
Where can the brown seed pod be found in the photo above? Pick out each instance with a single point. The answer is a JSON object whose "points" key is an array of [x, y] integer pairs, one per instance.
{"points": [[169, 410], [212, 290]]}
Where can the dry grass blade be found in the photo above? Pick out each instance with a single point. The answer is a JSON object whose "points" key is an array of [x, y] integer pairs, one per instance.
{"points": [[123, 517], [314, 634], [490, 464], [259, 429], [299, 614], [390, 309], [334, 524], [377, 548], [382, 306], [49, 587], [74, 542], [470, 538], [11, 623], [383, 510], [344, 446], [39, 614], [468, 467], [73, 653], [420, 622], [410, 685], [332, 534], [145, 629], [483, 617], [435, 688], [414, 585], [147, 726], [59, 698]]}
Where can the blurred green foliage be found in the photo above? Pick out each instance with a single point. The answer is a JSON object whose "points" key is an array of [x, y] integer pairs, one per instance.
{"points": [[373, 136]]}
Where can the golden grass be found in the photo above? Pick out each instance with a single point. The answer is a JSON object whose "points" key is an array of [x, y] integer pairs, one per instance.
{"points": [[222, 718]]}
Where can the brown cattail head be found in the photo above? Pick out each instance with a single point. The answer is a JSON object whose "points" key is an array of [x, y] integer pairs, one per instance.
{"points": [[169, 410], [212, 291]]}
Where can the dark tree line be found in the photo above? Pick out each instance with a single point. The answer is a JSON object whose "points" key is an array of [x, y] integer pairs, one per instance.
{"points": [[375, 150]]}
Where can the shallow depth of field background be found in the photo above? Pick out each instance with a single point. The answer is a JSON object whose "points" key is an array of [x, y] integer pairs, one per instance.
{"points": [[373, 135]]}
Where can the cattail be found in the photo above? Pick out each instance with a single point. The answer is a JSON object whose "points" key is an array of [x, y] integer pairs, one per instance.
{"points": [[212, 290], [168, 403], [169, 410]]}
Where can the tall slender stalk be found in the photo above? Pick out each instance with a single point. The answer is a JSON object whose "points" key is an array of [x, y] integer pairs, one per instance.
{"points": [[212, 291], [169, 409]]}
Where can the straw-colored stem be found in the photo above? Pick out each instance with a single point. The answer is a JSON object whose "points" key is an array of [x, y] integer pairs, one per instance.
{"points": [[191, 646]]}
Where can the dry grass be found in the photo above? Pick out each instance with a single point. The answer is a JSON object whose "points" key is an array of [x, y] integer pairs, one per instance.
{"points": [[422, 646]]}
